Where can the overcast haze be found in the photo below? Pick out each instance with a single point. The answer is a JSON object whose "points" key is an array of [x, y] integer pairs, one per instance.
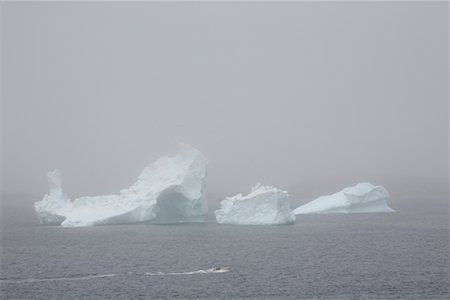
{"points": [[309, 97]]}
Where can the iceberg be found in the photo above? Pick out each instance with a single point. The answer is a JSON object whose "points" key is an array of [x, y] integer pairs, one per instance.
{"points": [[361, 198], [170, 190], [265, 205]]}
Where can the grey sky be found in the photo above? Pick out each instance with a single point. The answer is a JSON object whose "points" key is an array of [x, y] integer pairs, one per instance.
{"points": [[303, 96]]}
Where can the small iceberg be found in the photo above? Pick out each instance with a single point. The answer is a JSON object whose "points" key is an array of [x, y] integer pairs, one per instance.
{"points": [[361, 198], [170, 190], [265, 205]]}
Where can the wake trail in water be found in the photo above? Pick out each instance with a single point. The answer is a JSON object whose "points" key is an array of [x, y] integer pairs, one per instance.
{"points": [[31, 280], [96, 276], [207, 271]]}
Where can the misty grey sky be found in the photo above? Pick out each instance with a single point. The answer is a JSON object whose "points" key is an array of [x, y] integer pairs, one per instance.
{"points": [[294, 95]]}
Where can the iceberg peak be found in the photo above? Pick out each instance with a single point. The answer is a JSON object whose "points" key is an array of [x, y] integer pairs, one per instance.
{"points": [[55, 201]]}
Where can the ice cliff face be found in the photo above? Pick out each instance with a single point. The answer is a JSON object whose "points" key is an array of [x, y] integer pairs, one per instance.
{"points": [[264, 205], [361, 198], [170, 190]]}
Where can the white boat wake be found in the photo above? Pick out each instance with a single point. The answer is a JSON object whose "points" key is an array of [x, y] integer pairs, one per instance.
{"points": [[96, 276], [207, 271], [31, 280]]}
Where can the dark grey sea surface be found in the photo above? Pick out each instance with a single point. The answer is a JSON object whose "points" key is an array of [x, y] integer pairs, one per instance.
{"points": [[403, 255]]}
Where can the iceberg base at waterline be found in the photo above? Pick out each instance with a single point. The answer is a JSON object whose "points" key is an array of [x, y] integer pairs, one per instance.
{"points": [[170, 190]]}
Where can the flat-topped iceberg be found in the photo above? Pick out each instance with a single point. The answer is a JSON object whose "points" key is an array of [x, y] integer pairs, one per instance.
{"points": [[170, 190], [361, 198], [263, 206]]}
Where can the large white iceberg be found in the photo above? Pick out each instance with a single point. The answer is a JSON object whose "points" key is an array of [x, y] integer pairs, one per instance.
{"points": [[264, 205], [170, 190], [361, 198]]}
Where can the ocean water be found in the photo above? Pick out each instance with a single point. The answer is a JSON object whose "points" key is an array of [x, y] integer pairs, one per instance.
{"points": [[403, 255]]}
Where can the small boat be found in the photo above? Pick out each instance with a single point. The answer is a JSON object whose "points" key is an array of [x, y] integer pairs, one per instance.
{"points": [[221, 269]]}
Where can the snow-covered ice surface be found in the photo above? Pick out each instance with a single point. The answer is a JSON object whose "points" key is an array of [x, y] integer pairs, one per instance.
{"points": [[170, 190], [361, 198], [263, 206]]}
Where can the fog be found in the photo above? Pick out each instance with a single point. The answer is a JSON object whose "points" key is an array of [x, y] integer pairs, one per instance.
{"points": [[308, 97]]}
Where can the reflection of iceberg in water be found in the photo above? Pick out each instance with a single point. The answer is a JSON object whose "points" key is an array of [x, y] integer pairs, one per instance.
{"points": [[361, 198], [171, 190]]}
